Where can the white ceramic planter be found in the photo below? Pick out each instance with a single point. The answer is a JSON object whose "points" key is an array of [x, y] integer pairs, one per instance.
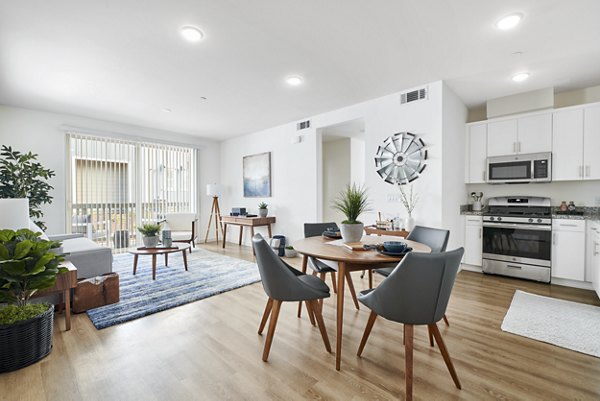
{"points": [[409, 224], [352, 232], [263, 212], [150, 242], [290, 253]]}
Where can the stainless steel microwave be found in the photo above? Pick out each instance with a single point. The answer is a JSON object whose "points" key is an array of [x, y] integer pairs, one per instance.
{"points": [[532, 167]]}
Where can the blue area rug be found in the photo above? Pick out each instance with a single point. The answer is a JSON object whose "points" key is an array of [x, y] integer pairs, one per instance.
{"points": [[209, 274]]}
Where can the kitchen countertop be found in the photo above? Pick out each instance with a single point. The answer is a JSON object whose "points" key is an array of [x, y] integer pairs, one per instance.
{"points": [[589, 213]]}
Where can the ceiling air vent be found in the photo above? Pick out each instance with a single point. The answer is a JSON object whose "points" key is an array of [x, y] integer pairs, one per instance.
{"points": [[303, 125], [412, 96]]}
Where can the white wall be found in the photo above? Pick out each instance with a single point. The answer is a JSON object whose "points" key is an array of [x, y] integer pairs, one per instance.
{"points": [[336, 175], [296, 168], [44, 133], [454, 115]]}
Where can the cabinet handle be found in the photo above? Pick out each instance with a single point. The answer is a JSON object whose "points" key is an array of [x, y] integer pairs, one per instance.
{"points": [[553, 238], [514, 147], [514, 267], [519, 147], [596, 244], [483, 175], [581, 171], [587, 171], [480, 230], [567, 225]]}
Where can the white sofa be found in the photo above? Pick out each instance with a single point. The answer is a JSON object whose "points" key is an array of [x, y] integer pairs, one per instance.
{"points": [[90, 258]]}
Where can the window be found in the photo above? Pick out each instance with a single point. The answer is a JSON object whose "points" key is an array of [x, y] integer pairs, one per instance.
{"points": [[117, 185]]}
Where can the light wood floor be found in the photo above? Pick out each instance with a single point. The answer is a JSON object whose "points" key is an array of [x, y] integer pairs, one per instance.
{"points": [[209, 350]]}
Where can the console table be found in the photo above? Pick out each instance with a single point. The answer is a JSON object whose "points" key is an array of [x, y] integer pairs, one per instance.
{"points": [[242, 222]]}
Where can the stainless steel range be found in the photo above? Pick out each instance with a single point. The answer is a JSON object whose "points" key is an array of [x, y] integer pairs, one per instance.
{"points": [[517, 237]]}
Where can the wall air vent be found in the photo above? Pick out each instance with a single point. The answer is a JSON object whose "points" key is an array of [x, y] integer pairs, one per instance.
{"points": [[412, 96], [303, 125]]}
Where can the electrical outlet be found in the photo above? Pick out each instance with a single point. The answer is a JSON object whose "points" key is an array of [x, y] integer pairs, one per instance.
{"points": [[393, 197]]}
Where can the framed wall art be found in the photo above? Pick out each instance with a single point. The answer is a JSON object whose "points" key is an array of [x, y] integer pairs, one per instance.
{"points": [[257, 175]]}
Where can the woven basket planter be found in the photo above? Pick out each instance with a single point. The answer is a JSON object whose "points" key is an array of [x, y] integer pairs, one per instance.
{"points": [[24, 343]]}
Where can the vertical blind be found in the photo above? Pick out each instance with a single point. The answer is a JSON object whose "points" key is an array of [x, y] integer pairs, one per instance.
{"points": [[116, 185]]}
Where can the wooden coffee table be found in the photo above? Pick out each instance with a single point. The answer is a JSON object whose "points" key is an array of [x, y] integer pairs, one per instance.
{"points": [[159, 251]]}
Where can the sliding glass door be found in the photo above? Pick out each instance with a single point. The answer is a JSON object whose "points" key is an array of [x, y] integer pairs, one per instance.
{"points": [[116, 185]]}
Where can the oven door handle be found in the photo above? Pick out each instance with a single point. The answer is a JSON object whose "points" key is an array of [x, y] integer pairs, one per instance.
{"points": [[519, 226]]}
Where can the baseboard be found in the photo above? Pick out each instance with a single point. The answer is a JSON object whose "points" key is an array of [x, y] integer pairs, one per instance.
{"points": [[572, 283], [470, 268]]}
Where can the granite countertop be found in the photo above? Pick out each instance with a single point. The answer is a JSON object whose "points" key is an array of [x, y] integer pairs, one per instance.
{"points": [[589, 213]]}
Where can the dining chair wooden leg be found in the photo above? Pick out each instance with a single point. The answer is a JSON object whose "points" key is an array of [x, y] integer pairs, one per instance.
{"points": [[299, 308], [333, 284], [408, 358], [446, 320], [445, 354], [322, 276], [265, 317], [403, 334], [303, 269], [365, 337], [271, 331], [351, 288], [430, 335], [319, 318], [370, 278], [311, 315]]}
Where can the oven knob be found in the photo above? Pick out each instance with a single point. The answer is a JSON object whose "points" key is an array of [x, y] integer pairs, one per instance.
{"points": [[539, 220], [499, 218], [531, 220], [491, 219]]}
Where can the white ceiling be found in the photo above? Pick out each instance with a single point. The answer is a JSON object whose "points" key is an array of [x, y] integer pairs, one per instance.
{"points": [[124, 60]]}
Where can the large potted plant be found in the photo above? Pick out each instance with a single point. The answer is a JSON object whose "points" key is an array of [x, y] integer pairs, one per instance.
{"points": [[150, 235], [27, 265], [21, 176], [352, 202]]}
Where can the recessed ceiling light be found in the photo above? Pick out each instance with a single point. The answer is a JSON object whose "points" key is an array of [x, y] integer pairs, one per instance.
{"points": [[166, 110], [294, 80], [509, 22], [520, 77], [191, 33]]}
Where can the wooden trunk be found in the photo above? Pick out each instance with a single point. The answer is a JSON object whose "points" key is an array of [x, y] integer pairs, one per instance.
{"points": [[97, 291]]}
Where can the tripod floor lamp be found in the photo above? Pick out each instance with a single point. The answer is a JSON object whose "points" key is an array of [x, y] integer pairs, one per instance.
{"points": [[214, 190]]}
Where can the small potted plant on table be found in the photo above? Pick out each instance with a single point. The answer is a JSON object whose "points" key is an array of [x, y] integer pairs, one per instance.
{"points": [[352, 202], [149, 235], [27, 265], [263, 209], [290, 252]]}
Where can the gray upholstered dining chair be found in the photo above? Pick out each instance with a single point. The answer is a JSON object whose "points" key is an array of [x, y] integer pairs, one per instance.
{"points": [[435, 238], [320, 267], [415, 293], [281, 283]]}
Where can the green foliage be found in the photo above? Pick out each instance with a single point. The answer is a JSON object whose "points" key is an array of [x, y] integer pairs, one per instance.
{"points": [[149, 230], [27, 265], [21, 176], [352, 202], [11, 314], [289, 247], [262, 205]]}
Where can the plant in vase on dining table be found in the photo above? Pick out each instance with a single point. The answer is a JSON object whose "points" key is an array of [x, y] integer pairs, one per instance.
{"points": [[352, 202], [409, 199]]}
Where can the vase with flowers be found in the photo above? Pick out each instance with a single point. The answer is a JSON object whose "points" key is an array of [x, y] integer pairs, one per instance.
{"points": [[409, 198]]}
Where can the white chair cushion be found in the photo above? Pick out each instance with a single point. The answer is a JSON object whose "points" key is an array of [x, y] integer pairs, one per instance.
{"points": [[181, 235], [180, 221], [36, 229]]}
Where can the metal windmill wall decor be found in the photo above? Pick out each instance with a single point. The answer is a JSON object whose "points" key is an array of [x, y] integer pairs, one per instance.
{"points": [[401, 158]]}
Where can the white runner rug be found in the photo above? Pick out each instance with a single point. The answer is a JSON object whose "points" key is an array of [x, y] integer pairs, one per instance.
{"points": [[567, 324]]}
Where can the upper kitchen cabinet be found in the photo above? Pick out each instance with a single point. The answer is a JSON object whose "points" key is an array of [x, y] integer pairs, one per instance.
{"points": [[476, 152], [591, 142], [528, 134], [576, 140]]}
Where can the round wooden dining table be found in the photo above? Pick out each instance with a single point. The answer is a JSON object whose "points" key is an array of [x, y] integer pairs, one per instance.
{"points": [[348, 260]]}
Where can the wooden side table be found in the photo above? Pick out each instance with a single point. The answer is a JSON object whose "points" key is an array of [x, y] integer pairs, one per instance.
{"points": [[246, 222], [64, 283]]}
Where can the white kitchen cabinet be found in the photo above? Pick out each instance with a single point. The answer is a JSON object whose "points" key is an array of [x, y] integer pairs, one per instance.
{"points": [[476, 153], [591, 143], [568, 249], [473, 240], [534, 133], [594, 256], [591, 248], [502, 138], [528, 134], [567, 145]]}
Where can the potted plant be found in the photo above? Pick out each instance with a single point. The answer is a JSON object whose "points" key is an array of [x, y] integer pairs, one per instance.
{"points": [[262, 209], [149, 235], [352, 202], [22, 177], [27, 265], [409, 200], [290, 252]]}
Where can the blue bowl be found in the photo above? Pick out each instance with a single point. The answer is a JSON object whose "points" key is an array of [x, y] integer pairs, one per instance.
{"points": [[395, 246]]}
